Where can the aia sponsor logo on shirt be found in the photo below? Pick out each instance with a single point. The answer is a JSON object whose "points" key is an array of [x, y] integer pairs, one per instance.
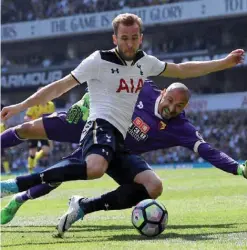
{"points": [[139, 129], [130, 86]]}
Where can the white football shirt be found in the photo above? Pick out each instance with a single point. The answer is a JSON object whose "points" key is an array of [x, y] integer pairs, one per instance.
{"points": [[114, 84]]}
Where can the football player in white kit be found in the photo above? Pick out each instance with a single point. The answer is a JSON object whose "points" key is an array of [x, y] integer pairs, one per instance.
{"points": [[114, 80]]}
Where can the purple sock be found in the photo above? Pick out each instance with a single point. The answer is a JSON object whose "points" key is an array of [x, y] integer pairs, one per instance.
{"points": [[9, 138], [22, 197], [36, 192]]}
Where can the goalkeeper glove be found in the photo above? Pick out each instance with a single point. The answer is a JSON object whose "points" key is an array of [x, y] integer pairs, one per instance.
{"points": [[242, 169], [79, 110]]}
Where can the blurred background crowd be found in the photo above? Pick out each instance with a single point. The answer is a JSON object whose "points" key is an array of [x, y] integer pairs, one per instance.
{"points": [[29, 10]]}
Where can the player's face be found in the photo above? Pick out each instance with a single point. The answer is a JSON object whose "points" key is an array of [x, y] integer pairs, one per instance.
{"points": [[128, 41], [172, 103]]}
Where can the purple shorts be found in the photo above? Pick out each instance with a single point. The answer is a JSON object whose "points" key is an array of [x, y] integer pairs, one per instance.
{"points": [[59, 129]]}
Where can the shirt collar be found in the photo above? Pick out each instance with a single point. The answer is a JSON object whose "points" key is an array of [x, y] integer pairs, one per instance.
{"points": [[156, 108]]}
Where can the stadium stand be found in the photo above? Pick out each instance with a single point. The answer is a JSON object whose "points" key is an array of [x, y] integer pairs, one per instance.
{"points": [[28, 10]]}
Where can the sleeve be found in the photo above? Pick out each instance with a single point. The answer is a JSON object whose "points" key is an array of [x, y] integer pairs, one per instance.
{"points": [[218, 158], [190, 137], [156, 67], [194, 141], [88, 69]]}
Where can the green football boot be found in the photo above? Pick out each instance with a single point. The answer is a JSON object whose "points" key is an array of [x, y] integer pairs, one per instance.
{"points": [[9, 211]]}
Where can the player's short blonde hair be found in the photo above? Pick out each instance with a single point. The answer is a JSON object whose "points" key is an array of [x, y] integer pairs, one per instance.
{"points": [[126, 19]]}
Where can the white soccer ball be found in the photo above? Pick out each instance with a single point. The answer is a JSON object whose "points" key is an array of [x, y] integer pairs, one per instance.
{"points": [[150, 217]]}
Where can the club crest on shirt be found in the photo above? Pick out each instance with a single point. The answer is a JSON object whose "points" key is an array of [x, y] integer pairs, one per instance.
{"points": [[162, 125], [140, 68]]}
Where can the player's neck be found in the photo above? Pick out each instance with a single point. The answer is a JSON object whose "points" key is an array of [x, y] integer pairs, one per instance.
{"points": [[128, 62]]}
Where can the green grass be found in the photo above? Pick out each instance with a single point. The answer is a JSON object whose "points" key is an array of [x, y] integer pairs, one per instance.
{"points": [[207, 210]]}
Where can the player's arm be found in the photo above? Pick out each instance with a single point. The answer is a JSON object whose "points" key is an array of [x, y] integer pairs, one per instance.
{"points": [[42, 96], [217, 158], [49, 92], [88, 69], [200, 68]]}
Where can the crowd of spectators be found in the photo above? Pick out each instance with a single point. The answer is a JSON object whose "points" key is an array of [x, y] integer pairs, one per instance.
{"points": [[165, 43], [224, 130], [29, 10]]}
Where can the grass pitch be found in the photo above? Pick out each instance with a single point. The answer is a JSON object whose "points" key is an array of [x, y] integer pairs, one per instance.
{"points": [[207, 210]]}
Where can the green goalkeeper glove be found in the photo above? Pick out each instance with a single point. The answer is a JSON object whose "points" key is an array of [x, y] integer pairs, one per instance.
{"points": [[242, 169], [79, 110]]}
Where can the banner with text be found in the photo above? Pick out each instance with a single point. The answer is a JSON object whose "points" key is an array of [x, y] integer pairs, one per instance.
{"points": [[88, 23], [30, 79]]}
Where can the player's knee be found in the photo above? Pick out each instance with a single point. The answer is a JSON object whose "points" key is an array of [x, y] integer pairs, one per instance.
{"points": [[155, 188], [24, 130], [96, 166], [94, 172], [151, 182]]}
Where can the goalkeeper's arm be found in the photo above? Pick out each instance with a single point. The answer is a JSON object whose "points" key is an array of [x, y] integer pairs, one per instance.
{"points": [[220, 160]]}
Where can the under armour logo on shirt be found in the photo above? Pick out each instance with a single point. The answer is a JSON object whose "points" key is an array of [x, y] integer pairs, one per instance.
{"points": [[106, 206], [115, 70], [139, 67], [140, 105]]}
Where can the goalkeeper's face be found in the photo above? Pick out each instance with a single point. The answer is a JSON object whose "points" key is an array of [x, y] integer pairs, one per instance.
{"points": [[128, 40], [172, 103]]}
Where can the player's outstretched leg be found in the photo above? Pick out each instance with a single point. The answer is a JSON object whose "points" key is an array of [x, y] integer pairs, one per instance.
{"points": [[125, 196], [9, 211], [9, 138], [65, 170]]}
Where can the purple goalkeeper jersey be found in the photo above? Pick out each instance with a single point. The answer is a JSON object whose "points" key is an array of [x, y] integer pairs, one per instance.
{"points": [[149, 131]]}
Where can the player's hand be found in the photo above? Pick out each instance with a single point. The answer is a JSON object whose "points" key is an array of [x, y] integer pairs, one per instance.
{"points": [[9, 111], [235, 57], [79, 111]]}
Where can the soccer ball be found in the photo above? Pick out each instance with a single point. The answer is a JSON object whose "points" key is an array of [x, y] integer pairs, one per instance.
{"points": [[149, 217]]}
